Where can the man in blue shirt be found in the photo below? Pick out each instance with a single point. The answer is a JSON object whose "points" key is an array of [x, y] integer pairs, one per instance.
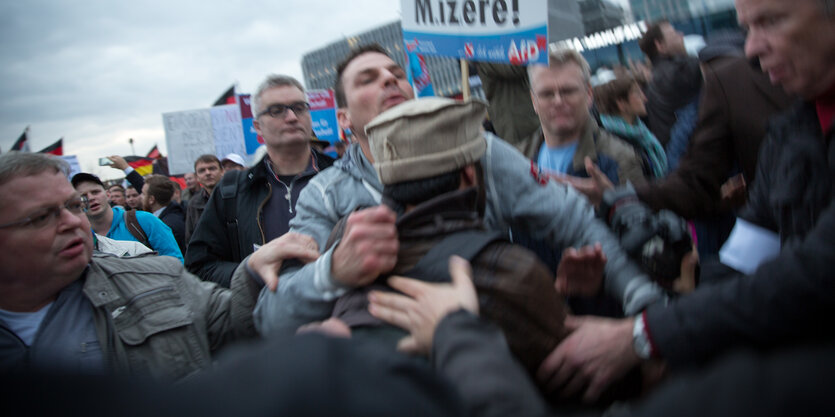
{"points": [[562, 95], [110, 221]]}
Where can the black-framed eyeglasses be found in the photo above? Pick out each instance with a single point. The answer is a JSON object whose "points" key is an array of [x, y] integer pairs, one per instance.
{"points": [[47, 216], [278, 110]]}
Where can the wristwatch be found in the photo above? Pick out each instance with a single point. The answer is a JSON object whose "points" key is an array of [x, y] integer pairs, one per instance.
{"points": [[640, 339]]}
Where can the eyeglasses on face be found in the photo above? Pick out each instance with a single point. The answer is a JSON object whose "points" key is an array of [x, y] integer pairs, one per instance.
{"points": [[278, 110], [47, 216]]}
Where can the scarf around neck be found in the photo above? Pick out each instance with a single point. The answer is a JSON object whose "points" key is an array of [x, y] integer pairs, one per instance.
{"points": [[641, 135]]}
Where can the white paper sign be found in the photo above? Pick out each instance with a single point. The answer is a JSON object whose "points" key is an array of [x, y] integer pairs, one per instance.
{"points": [[191, 133]]}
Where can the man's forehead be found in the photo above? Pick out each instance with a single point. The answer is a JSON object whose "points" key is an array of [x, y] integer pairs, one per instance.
{"points": [[201, 165], [270, 96], [567, 73], [33, 191], [369, 61]]}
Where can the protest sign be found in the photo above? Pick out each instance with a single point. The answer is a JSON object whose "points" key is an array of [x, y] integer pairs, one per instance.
{"points": [[323, 114], [191, 133], [508, 31]]}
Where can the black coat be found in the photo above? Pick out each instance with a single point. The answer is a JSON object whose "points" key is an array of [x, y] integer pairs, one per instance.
{"points": [[175, 217], [676, 81], [790, 298], [213, 251]]}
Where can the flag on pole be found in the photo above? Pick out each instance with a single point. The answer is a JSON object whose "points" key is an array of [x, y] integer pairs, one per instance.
{"points": [[418, 71], [22, 143], [154, 153], [142, 165], [56, 148], [226, 98]]}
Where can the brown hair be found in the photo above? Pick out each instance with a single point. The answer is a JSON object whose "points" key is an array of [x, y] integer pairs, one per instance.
{"points": [[161, 188], [207, 159], [607, 95]]}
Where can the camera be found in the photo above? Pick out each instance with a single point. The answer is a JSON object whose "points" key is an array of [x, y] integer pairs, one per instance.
{"points": [[656, 241]]}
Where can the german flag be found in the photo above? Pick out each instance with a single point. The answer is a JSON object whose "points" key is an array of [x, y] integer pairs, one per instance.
{"points": [[56, 148], [154, 153], [227, 97], [22, 143], [142, 165]]}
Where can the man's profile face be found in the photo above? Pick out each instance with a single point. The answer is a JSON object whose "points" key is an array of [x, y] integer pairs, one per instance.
{"points": [[561, 98], [97, 204], [289, 128], [208, 173], [191, 180], [59, 249], [133, 198], [373, 83], [794, 41], [145, 198]]}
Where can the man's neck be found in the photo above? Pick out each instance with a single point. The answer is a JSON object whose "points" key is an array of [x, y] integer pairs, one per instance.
{"points": [[553, 139], [289, 160], [366, 148], [22, 297], [101, 224]]}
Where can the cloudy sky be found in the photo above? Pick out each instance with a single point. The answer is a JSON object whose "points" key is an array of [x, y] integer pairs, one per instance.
{"points": [[98, 72]]}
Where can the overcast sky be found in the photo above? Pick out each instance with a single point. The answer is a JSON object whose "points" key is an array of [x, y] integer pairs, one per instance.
{"points": [[98, 72]]}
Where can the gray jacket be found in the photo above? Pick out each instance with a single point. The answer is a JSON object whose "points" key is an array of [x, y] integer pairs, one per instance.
{"points": [[154, 318], [514, 196]]}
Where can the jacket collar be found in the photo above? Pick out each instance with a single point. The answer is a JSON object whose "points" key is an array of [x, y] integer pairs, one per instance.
{"points": [[586, 146], [446, 213]]}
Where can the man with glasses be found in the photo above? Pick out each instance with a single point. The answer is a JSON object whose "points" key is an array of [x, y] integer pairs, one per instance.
{"points": [[114, 223], [562, 96], [255, 206], [65, 309]]}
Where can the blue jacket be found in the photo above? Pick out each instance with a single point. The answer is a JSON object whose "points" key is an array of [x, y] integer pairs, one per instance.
{"points": [[159, 235]]}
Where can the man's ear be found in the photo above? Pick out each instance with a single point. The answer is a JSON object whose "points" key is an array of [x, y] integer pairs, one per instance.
{"points": [[659, 46], [257, 126], [344, 119]]}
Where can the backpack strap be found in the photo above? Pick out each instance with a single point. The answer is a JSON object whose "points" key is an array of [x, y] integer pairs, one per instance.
{"points": [[434, 265], [229, 193], [135, 228]]}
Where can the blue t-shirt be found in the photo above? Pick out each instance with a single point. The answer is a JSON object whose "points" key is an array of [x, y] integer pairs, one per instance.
{"points": [[556, 159], [159, 234]]}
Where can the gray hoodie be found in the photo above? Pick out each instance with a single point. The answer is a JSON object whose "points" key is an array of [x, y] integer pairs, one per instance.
{"points": [[514, 197]]}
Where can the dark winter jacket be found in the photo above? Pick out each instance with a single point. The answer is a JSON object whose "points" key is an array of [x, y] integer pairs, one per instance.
{"points": [[790, 298], [175, 217], [676, 81], [222, 240]]}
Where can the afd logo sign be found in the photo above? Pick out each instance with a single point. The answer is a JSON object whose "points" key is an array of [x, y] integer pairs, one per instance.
{"points": [[509, 31]]}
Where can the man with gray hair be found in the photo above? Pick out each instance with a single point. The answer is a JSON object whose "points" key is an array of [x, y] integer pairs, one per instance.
{"points": [[255, 206], [562, 96], [65, 309]]}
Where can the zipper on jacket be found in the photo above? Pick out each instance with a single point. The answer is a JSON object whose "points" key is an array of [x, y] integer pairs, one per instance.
{"points": [[118, 311], [260, 210]]}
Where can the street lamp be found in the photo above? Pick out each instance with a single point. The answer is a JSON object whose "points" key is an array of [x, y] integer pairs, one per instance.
{"points": [[133, 151]]}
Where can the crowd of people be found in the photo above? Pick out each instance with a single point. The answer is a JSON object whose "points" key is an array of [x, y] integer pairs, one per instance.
{"points": [[657, 244]]}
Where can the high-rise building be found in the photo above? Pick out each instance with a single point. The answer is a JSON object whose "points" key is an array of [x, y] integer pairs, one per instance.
{"points": [[650, 10], [319, 66], [599, 15]]}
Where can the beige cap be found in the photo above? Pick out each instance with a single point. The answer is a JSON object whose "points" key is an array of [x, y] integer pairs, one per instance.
{"points": [[426, 137]]}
